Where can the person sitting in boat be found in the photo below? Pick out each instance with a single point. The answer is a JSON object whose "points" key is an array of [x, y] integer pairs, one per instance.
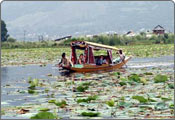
{"points": [[121, 57], [64, 61], [81, 59], [101, 61]]}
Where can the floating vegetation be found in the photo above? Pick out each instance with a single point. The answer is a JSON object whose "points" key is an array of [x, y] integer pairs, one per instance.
{"points": [[49, 74], [44, 115], [134, 77], [117, 74], [61, 104], [171, 85], [110, 103], [116, 94], [122, 83], [44, 109], [49, 55], [90, 114], [33, 83], [160, 78], [141, 99], [171, 106], [31, 91], [51, 101], [87, 100], [2, 112], [148, 73], [83, 87]]}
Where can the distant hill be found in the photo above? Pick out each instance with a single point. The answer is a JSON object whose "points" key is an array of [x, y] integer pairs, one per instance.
{"points": [[77, 18]]}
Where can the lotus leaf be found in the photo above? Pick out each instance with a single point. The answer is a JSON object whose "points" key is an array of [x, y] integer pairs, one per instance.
{"points": [[90, 114], [134, 77], [148, 73], [89, 99], [44, 109], [51, 101], [110, 103], [44, 115], [122, 83], [61, 104], [160, 78], [141, 99], [171, 86]]}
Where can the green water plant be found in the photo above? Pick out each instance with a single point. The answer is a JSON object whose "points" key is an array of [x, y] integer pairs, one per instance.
{"points": [[141, 99], [122, 83], [171, 106], [61, 103], [44, 115], [31, 91], [111, 103], [160, 78], [44, 109], [33, 83], [90, 114], [87, 100], [117, 74], [148, 73], [51, 101], [171, 85], [83, 87], [134, 77]]}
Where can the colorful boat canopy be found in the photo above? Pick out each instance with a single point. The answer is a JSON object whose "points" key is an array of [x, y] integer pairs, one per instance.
{"points": [[95, 46]]}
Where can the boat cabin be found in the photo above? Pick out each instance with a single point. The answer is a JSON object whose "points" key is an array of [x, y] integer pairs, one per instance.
{"points": [[89, 48]]}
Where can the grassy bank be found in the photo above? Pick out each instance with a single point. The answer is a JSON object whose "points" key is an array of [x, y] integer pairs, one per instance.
{"points": [[21, 56]]}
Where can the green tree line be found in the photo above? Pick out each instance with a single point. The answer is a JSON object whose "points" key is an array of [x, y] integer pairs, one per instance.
{"points": [[141, 38]]}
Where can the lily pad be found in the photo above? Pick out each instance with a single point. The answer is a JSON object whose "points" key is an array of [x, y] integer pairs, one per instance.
{"points": [[51, 101], [122, 83], [171, 106], [171, 85], [160, 78], [141, 99], [110, 103], [61, 104], [44, 115], [89, 99], [44, 109], [90, 114], [134, 77], [82, 88], [148, 73]]}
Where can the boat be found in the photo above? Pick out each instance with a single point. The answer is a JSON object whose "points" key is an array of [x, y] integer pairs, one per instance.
{"points": [[90, 59]]}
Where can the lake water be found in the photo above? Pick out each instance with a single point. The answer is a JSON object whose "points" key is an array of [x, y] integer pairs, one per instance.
{"points": [[14, 80]]}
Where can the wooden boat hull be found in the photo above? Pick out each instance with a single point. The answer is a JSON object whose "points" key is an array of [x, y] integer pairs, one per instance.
{"points": [[93, 68]]}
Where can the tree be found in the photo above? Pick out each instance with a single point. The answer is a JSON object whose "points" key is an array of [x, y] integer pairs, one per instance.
{"points": [[143, 34], [4, 31], [10, 39]]}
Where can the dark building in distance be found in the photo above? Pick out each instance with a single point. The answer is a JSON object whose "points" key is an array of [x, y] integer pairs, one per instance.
{"points": [[158, 30]]}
